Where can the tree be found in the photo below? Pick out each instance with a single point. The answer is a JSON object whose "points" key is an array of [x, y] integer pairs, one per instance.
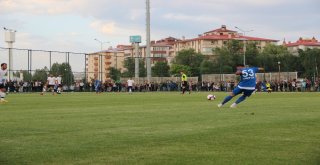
{"points": [[209, 67], [129, 64], [235, 48], [225, 58], [175, 69], [67, 74], [114, 73], [310, 62], [252, 54], [142, 68], [56, 69], [64, 70], [271, 55], [41, 75], [27, 76], [161, 69], [190, 58]]}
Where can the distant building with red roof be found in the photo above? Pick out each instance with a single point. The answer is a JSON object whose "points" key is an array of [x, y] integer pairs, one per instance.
{"points": [[218, 38], [99, 63], [302, 44]]}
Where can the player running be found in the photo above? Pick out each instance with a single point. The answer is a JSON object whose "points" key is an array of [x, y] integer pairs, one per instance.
{"points": [[246, 85], [3, 72], [130, 83], [51, 81], [97, 86]]}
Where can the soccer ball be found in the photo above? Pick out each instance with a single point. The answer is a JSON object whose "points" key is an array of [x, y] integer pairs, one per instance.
{"points": [[211, 97]]}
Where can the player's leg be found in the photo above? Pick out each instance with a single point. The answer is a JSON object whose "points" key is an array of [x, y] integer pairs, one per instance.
{"points": [[51, 88], [246, 93], [3, 95], [235, 92], [185, 86], [96, 89]]}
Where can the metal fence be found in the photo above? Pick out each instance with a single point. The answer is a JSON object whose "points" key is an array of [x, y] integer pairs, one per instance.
{"points": [[272, 76], [160, 79], [31, 60]]}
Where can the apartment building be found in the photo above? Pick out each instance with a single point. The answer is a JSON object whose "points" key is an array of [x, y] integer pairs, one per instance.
{"points": [[303, 44], [217, 38], [161, 50], [98, 63]]}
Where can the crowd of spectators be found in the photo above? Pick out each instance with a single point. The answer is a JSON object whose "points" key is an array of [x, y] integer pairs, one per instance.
{"points": [[300, 85]]}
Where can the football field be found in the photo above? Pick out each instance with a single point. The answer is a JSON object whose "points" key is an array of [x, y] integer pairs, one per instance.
{"points": [[159, 128]]}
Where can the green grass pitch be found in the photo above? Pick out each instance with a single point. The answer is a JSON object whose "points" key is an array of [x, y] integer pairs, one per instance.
{"points": [[160, 129]]}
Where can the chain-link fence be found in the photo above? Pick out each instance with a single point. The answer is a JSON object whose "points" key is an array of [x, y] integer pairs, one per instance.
{"points": [[29, 61], [272, 76], [32, 60]]}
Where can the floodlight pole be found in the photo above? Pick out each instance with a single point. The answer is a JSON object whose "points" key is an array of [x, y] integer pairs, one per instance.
{"points": [[148, 51], [136, 60], [10, 39], [279, 69], [244, 44], [101, 43]]}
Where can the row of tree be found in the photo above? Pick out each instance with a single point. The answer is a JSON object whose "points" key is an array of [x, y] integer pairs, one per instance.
{"points": [[57, 69], [226, 58]]}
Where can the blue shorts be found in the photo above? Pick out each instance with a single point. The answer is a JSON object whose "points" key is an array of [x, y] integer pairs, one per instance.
{"points": [[245, 92]]}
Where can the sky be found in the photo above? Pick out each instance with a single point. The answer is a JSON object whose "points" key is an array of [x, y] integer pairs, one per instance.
{"points": [[72, 25]]}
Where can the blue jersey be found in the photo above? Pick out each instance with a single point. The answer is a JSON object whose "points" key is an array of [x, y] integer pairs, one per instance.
{"points": [[97, 83], [248, 78]]}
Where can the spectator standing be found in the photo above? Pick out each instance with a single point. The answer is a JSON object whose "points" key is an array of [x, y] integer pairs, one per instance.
{"points": [[130, 83]]}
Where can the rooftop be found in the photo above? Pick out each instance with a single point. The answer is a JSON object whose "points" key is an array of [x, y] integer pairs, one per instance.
{"points": [[303, 41]]}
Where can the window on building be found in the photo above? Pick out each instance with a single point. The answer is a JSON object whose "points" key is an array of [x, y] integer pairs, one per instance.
{"points": [[213, 42]]}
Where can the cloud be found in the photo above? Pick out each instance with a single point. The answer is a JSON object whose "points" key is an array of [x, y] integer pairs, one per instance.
{"points": [[192, 18], [37, 7], [225, 3], [112, 28], [104, 27], [117, 20]]}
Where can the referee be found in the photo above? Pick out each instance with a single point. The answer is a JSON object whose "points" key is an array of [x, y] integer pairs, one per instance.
{"points": [[184, 82]]}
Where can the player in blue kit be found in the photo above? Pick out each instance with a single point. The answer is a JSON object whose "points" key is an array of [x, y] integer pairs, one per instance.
{"points": [[246, 85], [97, 86]]}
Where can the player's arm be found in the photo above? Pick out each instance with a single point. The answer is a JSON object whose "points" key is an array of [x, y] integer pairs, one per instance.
{"points": [[239, 72], [261, 69]]}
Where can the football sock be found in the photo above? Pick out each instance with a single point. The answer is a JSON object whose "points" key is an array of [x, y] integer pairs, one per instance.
{"points": [[226, 99], [240, 99], [2, 95]]}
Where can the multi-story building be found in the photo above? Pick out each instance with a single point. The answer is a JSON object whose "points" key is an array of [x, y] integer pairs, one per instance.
{"points": [[206, 42], [161, 50], [302, 44], [98, 64]]}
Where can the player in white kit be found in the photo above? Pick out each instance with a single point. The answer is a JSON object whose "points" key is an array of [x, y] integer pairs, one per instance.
{"points": [[59, 79], [130, 83], [3, 72], [51, 81]]}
